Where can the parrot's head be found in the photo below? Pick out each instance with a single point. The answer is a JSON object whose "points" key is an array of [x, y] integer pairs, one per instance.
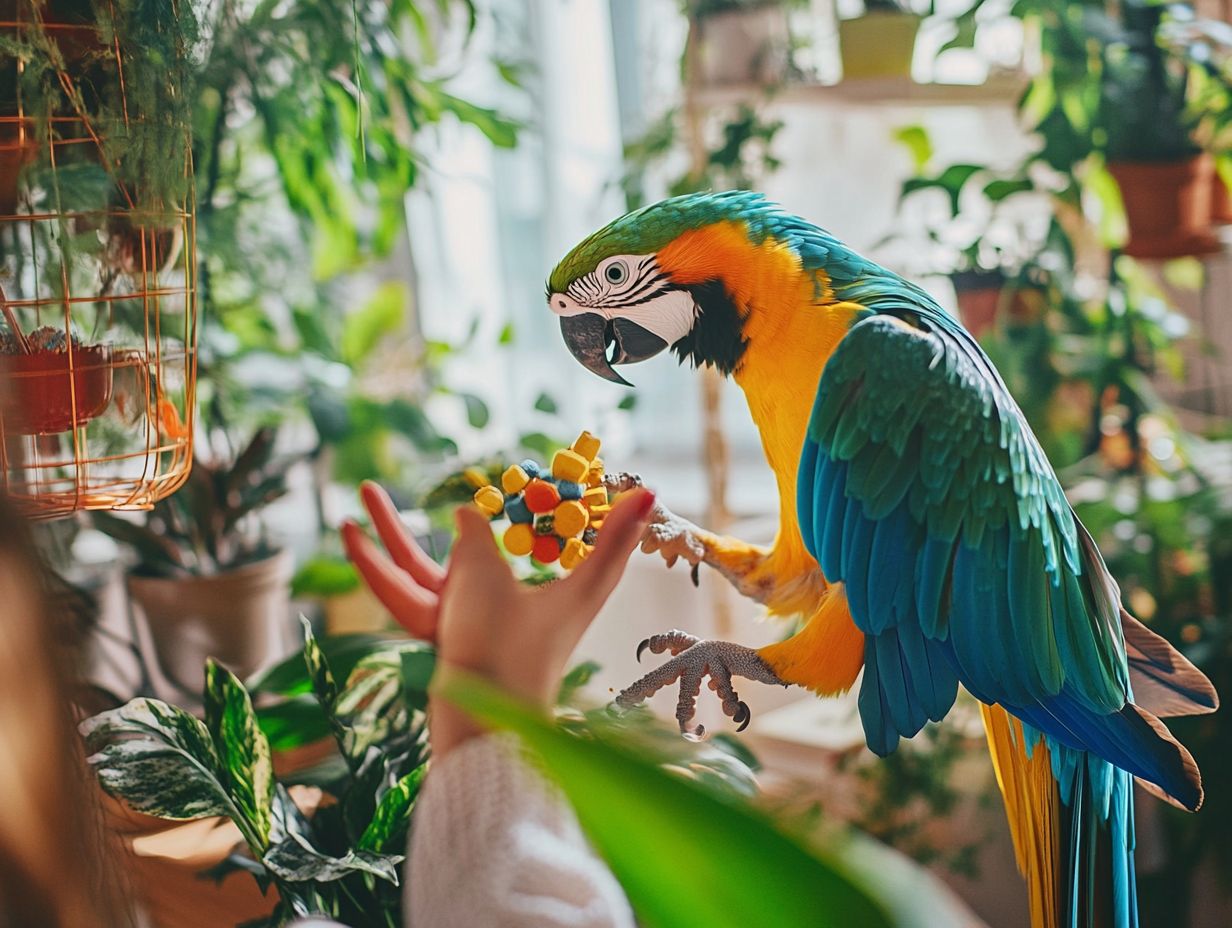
{"points": [[682, 274]]}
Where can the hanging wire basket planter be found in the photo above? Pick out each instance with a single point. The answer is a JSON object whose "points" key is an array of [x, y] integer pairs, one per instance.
{"points": [[98, 308]]}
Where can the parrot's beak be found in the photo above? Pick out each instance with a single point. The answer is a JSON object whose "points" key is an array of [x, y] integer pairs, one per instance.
{"points": [[588, 337]]}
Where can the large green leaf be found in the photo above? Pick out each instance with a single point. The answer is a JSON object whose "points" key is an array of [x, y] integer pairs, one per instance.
{"points": [[683, 856], [387, 830], [295, 859], [378, 318], [242, 749], [343, 652], [158, 759]]}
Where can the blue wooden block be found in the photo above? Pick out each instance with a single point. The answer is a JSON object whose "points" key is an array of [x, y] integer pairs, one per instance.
{"points": [[516, 510]]}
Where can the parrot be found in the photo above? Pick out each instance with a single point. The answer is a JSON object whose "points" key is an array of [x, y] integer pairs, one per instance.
{"points": [[923, 539]]}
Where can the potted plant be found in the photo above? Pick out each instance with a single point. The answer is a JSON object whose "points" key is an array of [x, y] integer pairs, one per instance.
{"points": [[336, 851], [879, 43], [987, 268], [207, 577], [1164, 177], [50, 383], [742, 41]]}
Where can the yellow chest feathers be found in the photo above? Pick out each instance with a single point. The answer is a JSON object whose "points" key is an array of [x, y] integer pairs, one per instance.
{"points": [[791, 325]]}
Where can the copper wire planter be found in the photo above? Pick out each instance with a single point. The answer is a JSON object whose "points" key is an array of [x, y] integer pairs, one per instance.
{"points": [[97, 290]]}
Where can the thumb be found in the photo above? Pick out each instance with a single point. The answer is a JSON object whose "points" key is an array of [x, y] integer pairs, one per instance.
{"points": [[475, 555], [594, 579]]}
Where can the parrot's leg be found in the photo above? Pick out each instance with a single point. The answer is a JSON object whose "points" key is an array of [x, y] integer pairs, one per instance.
{"points": [[692, 660], [674, 538]]}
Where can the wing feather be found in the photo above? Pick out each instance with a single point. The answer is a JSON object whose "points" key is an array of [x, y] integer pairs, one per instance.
{"points": [[924, 492]]}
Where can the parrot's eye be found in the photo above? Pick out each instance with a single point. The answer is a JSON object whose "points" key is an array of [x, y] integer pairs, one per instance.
{"points": [[617, 272]]}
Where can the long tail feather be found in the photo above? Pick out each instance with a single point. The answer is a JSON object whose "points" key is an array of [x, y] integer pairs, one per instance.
{"points": [[1033, 808], [1071, 820]]}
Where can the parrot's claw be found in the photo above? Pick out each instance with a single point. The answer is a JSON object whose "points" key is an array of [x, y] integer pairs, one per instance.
{"points": [[692, 660], [674, 538], [674, 641]]}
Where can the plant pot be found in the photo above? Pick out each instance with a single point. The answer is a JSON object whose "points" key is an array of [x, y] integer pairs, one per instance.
{"points": [[1221, 202], [878, 45], [1167, 206], [744, 46], [978, 294], [40, 395], [240, 618]]}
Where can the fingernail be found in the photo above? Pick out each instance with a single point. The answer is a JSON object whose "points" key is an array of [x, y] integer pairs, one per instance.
{"points": [[645, 504]]}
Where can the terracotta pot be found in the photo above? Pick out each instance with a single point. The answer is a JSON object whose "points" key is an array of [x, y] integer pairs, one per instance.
{"points": [[40, 396], [240, 618], [978, 294], [878, 45], [1221, 202], [1168, 207], [745, 47]]}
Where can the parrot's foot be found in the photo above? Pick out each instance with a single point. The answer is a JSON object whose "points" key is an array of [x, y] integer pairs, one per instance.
{"points": [[673, 537], [692, 660], [667, 533]]}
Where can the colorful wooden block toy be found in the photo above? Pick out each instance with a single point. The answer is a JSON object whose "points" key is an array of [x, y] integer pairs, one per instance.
{"points": [[553, 512]]}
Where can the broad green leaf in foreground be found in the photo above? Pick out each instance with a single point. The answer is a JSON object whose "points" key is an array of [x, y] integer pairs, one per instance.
{"points": [[683, 856]]}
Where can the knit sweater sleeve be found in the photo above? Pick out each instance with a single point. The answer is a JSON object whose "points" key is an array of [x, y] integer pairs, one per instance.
{"points": [[495, 844]]}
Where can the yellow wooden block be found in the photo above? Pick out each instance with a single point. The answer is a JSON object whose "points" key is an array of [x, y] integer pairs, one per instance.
{"points": [[490, 500], [595, 496], [519, 539], [569, 465], [514, 479], [570, 518], [587, 446], [574, 553], [594, 476], [476, 477]]}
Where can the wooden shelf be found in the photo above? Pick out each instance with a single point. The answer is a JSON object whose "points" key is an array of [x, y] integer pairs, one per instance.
{"points": [[999, 90]]}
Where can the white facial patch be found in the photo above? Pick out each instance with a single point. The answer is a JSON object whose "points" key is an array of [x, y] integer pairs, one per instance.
{"points": [[670, 316], [630, 287]]}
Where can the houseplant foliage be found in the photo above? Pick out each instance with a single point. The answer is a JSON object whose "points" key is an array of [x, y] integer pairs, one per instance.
{"points": [[96, 246], [1115, 96], [345, 860], [210, 581], [368, 695], [310, 124]]}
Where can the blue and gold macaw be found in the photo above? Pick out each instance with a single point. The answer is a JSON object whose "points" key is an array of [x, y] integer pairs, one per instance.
{"points": [[923, 534]]}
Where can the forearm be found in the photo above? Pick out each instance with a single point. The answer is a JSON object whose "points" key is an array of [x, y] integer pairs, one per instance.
{"points": [[495, 844]]}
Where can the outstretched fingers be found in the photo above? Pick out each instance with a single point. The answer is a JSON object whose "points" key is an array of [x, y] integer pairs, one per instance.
{"points": [[413, 607], [398, 541]]}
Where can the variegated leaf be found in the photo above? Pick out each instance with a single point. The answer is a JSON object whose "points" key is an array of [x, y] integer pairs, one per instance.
{"points": [[296, 860], [323, 684], [388, 827], [158, 759], [243, 750]]}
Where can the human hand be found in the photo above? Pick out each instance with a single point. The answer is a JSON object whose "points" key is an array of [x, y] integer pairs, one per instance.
{"points": [[482, 619]]}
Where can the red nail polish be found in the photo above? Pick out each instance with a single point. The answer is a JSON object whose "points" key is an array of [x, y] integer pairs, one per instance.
{"points": [[645, 504]]}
